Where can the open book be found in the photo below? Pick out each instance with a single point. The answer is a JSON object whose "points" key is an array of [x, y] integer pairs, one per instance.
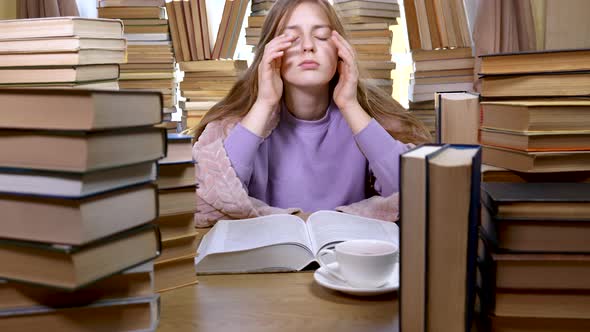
{"points": [[282, 242]]}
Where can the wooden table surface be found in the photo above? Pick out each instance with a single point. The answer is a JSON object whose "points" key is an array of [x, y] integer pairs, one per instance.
{"points": [[273, 302]]}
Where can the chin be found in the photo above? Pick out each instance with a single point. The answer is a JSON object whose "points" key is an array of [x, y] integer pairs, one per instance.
{"points": [[307, 79]]}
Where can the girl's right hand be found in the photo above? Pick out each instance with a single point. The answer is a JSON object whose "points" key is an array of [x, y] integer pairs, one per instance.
{"points": [[270, 84]]}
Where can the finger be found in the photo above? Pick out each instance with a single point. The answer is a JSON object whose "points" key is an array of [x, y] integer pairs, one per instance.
{"points": [[280, 39], [345, 56], [342, 43], [342, 50], [273, 56], [278, 47]]}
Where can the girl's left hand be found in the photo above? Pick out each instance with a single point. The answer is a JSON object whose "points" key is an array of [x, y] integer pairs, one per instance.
{"points": [[345, 91]]}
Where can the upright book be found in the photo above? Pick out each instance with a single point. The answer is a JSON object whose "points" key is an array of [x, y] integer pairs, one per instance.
{"points": [[439, 208]]}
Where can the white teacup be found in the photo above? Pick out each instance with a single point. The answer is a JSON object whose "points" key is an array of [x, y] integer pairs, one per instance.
{"points": [[362, 263]]}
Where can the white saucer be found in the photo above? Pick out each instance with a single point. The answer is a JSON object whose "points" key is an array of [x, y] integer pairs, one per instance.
{"points": [[325, 279]]}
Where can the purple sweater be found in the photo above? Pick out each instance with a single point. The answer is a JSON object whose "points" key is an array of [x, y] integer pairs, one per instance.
{"points": [[314, 165]]}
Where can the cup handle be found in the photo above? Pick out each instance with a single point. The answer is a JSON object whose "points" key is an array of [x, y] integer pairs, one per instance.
{"points": [[329, 269]]}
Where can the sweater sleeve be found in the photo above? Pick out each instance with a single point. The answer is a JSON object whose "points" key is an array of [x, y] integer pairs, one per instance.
{"points": [[241, 146], [382, 151]]}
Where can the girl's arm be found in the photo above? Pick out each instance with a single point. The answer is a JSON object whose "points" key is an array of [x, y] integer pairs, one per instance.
{"points": [[241, 146], [243, 141], [382, 151]]}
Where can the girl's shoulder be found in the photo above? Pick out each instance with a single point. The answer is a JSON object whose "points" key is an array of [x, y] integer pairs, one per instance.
{"points": [[217, 129]]}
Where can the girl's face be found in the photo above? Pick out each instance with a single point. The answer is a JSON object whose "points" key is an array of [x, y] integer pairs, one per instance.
{"points": [[312, 58]]}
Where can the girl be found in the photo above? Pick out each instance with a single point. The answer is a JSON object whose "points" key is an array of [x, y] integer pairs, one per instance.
{"points": [[299, 131]]}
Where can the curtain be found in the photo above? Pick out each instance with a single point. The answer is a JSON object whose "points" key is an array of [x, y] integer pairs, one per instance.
{"points": [[47, 8], [503, 26]]}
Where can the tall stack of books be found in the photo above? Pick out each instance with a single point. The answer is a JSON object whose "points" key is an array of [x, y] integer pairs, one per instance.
{"points": [[367, 25], [76, 190], [62, 52], [440, 43], [260, 9], [205, 83], [176, 191], [549, 133], [535, 128], [535, 257], [435, 55], [150, 61], [440, 71]]}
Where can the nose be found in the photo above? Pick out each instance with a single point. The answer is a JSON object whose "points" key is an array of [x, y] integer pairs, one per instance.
{"points": [[307, 44]]}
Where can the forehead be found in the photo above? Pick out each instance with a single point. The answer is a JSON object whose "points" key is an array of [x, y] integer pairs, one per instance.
{"points": [[308, 14]]}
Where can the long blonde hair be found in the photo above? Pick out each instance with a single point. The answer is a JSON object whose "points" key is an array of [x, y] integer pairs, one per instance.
{"points": [[389, 113]]}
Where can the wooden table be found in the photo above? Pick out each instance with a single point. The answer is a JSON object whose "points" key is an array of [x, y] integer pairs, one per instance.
{"points": [[273, 302]]}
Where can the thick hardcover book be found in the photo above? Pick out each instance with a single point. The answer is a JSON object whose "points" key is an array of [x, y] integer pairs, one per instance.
{"points": [[79, 109], [534, 285], [135, 282], [536, 62], [128, 314], [440, 210], [73, 267], [461, 119], [80, 151], [550, 201], [78, 220]]}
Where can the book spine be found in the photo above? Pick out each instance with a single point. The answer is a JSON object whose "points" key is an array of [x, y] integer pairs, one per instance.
{"points": [[472, 239]]}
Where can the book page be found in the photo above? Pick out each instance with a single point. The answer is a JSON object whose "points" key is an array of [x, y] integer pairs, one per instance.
{"points": [[246, 234], [327, 228]]}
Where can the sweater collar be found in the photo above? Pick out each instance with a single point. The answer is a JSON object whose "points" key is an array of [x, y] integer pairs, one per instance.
{"points": [[291, 120]]}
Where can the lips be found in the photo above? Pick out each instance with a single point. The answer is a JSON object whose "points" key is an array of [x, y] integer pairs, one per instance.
{"points": [[309, 64]]}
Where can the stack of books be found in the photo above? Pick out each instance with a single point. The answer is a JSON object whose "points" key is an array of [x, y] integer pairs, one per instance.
{"points": [[176, 191], [440, 45], [440, 71], [535, 256], [150, 61], [62, 52], [367, 25], [76, 190], [425, 112], [205, 83], [533, 119], [260, 9], [434, 54]]}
